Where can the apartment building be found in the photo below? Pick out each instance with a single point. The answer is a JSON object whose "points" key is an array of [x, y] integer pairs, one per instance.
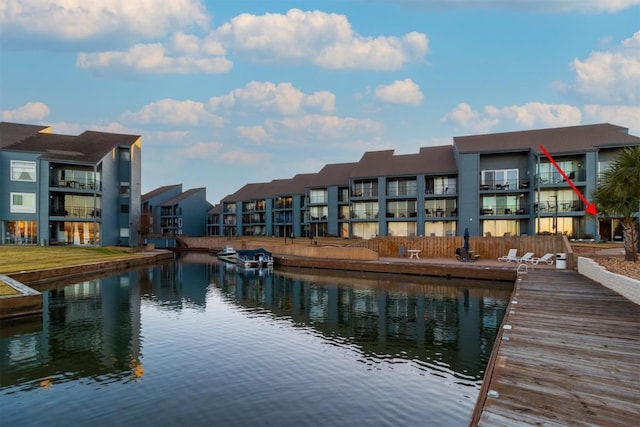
{"points": [[64, 189], [168, 212], [494, 185]]}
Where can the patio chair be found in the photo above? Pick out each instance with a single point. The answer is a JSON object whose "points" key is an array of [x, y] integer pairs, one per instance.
{"points": [[511, 256], [548, 258], [525, 258]]}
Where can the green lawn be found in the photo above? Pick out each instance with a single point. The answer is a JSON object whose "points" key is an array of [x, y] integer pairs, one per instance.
{"points": [[21, 258]]}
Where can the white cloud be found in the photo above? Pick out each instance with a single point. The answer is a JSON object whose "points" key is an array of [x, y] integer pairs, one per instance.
{"points": [[255, 134], [188, 56], [28, 112], [79, 20], [280, 98], [325, 39], [537, 114], [621, 115], [465, 118], [527, 116], [557, 6], [400, 92], [244, 157], [320, 128], [201, 150], [174, 112], [609, 76]]}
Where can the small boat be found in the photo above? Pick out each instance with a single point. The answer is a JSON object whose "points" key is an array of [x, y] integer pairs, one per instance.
{"points": [[228, 254], [254, 258]]}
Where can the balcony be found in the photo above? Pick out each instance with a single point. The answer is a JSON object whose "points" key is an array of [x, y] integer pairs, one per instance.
{"points": [[555, 178], [402, 214], [508, 185], [551, 207], [77, 212], [440, 213], [79, 184]]}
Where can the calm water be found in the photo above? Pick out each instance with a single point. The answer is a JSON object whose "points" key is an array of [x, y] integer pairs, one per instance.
{"points": [[198, 343]]}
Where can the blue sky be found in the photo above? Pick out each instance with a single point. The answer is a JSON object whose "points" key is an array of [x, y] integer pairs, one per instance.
{"points": [[226, 93]]}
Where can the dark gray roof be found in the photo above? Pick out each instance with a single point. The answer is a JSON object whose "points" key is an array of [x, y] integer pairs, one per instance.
{"points": [[182, 196], [10, 133], [153, 193], [249, 192], [88, 147], [216, 209], [333, 174], [295, 185], [431, 160], [555, 140]]}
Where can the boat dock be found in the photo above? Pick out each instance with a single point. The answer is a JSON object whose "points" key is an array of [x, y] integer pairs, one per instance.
{"points": [[568, 353]]}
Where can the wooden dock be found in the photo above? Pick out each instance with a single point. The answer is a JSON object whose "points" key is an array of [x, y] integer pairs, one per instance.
{"points": [[568, 354]]}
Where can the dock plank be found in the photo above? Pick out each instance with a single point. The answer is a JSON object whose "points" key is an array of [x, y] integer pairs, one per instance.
{"points": [[569, 355]]}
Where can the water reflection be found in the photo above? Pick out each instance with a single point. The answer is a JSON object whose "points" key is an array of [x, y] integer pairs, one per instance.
{"points": [[429, 320], [99, 332], [89, 329]]}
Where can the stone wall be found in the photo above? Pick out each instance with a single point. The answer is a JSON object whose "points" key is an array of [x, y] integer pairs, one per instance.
{"points": [[625, 286]]}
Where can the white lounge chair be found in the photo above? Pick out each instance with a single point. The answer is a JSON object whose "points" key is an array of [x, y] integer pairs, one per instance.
{"points": [[525, 258], [548, 258], [511, 256]]}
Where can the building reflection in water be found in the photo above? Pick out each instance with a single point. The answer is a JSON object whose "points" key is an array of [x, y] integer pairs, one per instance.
{"points": [[430, 320], [91, 329]]}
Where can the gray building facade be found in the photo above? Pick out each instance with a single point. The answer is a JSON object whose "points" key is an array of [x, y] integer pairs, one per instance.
{"points": [[493, 185], [63, 189]]}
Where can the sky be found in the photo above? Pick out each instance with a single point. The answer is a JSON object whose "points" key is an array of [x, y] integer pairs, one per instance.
{"points": [[226, 93]]}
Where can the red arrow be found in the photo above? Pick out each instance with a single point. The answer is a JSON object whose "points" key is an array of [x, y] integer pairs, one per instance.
{"points": [[590, 209]]}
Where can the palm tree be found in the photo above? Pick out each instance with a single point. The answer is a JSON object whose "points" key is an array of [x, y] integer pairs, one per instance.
{"points": [[618, 195]]}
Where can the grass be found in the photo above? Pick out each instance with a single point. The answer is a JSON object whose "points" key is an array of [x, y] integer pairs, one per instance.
{"points": [[25, 258], [6, 290]]}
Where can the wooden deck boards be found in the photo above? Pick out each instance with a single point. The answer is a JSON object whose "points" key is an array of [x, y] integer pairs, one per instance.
{"points": [[571, 357]]}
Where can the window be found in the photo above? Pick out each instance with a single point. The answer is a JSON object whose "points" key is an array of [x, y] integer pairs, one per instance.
{"points": [[401, 187], [318, 213], [124, 209], [23, 171], [124, 189], [318, 196], [124, 232], [23, 203], [125, 154], [440, 185], [365, 188], [500, 179]]}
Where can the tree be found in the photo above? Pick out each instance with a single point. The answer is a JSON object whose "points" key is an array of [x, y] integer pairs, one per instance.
{"points": [[618, 196]]}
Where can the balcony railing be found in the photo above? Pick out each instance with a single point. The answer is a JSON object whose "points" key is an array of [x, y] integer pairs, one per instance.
{"points": [[364, 215], [77, 212], [440, 212], [79, 183], [549, 178], [402, 214], [510, 185], [560, 207], [502, 211]]}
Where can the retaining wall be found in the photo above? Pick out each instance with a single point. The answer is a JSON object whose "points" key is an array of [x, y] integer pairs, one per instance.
{"points": [[625, 286]]}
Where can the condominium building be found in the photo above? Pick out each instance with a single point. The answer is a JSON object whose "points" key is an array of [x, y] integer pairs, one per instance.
{"points": [[494, 185], [169, 211], [63, 189]]}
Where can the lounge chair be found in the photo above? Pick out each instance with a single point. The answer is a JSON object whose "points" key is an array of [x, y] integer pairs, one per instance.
{"points": [[525, 258], [511, 256], [548, 258]]}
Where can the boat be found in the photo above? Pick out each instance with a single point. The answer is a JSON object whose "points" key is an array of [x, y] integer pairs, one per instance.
{"points": [[254, 258], [228, 254]]}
